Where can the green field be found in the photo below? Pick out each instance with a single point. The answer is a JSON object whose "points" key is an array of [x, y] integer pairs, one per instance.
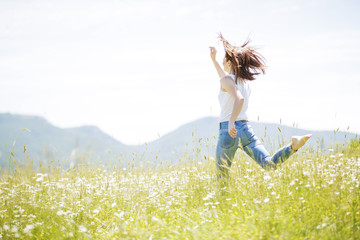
{"points": [[311, 196]]}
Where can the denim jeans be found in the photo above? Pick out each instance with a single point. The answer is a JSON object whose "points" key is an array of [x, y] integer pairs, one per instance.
{"points": [[247, 141]]}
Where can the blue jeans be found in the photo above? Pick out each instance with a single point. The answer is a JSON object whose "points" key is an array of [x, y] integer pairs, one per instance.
{"points": [[247, 141]]}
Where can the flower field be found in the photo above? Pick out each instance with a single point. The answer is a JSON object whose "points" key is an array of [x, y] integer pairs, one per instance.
{"points": [[311, 196]]}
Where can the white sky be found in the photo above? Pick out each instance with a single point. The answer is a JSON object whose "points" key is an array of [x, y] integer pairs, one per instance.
{"points": [[140, 69]]}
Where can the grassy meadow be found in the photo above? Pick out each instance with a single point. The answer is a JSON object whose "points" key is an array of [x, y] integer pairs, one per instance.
{"points": [[313, 195]]}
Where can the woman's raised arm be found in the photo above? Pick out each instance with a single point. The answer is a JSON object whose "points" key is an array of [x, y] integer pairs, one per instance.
{"points": [[219, 70]]}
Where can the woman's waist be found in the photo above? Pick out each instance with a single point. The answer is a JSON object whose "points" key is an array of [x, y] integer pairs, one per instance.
{"points": [[225, 124], [226, 115]]}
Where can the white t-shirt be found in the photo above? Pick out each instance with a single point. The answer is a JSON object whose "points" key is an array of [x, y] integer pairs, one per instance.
{"points": [[227, 102]]}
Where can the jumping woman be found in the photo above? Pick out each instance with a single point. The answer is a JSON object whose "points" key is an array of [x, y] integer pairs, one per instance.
{"points": [[242, 63]]}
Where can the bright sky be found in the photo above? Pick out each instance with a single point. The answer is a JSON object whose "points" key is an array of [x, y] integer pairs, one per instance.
{"points": [[140, 69]]}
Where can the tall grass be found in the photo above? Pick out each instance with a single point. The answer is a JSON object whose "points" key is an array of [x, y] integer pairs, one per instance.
{"points": [[310, 196]]}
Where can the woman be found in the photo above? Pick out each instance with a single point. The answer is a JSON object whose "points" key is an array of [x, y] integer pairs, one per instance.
{"points": [[243, 64]]}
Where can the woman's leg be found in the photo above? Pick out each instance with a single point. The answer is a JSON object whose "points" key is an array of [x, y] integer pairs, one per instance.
{"points": [[225, 151], [256, 150], [282, 154]]}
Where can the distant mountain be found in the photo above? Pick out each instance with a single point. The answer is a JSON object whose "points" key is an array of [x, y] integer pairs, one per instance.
{"points": [[68, 146], [46, 142]]}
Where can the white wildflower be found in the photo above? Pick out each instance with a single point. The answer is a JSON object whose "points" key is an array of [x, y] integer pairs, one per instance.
{"points": [[21, 210], [14, 229], [156, 219], [267, 177], [257, 201], [60, 212], [266, 200], [82, 228], [39, 179], [120, 215], [28, 228], [209, 196]]}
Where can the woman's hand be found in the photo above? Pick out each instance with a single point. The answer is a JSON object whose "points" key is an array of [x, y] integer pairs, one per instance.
{"points": [[232, 130], [213, 53]]}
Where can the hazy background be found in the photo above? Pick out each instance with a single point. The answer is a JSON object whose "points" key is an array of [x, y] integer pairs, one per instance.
{"points": [[140, 69]]}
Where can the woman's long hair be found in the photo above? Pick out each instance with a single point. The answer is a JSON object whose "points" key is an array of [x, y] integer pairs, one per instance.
{"points": [[246, 63]]}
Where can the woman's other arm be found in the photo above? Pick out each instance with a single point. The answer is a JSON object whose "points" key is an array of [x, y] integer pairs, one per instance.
{"points": [[219, 70], [228, 84]]}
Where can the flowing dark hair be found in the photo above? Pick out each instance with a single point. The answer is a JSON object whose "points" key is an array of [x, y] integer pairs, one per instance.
{"points": [[246, 62]]}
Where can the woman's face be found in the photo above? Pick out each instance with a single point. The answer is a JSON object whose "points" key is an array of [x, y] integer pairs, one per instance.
{"points": [[226, 65]]}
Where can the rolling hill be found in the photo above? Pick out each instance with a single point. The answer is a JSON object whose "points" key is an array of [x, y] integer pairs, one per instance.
{"points": [[66, 146]]}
